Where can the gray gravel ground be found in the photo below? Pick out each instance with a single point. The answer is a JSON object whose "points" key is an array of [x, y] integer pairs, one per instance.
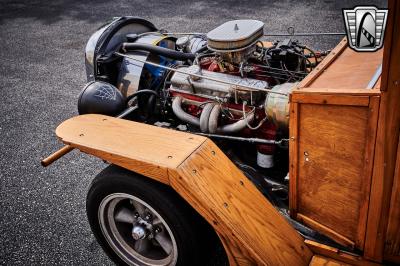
{"points": [[42, 210]]}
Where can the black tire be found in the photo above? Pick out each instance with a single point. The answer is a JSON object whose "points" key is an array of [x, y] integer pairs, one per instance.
{"points": [[196, 241]]}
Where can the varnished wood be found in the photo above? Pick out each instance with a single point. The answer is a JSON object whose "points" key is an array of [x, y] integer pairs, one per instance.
{"points": [[392, 243], [57, 155], [293, 156], [201, 173], [340, 239], [366, 174], [330, 99], [339, 91], [210, 179], [328, 60], [350, 70], [237, 255], [387, 139], [330, 179], [337, 254], [324, 261], [145, 149], [336, 127]]}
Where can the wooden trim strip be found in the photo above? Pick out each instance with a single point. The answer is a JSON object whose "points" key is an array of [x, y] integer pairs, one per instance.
{"points": [[325, 230], [335, 91], [293, 157], [367, 170], [337, 254], [330, 99]]}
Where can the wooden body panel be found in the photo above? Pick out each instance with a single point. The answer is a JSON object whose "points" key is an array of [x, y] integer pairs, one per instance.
{"points": [[334, 138], [350, 70], [148, 149], [333, 130], [201, 173]]}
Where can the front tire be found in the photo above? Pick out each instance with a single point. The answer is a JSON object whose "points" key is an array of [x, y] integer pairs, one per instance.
{"points": [[138, 221]]}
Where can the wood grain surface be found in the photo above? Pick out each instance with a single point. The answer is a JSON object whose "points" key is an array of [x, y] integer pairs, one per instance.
{"points": [[145, 149], [199, 171], [333, 132], [392, 247], [234, 205], [387, 140], [331, 159], [350, 70], [334, 253], [318, 260]]}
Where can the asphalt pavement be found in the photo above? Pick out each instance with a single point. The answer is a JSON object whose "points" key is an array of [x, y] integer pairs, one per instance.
{"points": [[42, 210]]}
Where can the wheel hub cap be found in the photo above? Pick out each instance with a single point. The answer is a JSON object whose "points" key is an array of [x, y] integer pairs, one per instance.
{"points": [[138, 232]]}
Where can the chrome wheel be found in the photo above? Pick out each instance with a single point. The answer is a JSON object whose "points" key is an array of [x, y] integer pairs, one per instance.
{"points": [[136, 232]]}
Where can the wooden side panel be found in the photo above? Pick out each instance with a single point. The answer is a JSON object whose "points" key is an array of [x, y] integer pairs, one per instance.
{"points": [[214, 186], [351, 70], [331, 158], [392, 247]]}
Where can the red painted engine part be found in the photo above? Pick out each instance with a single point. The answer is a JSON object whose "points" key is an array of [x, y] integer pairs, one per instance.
{"points": [[267, 131]]}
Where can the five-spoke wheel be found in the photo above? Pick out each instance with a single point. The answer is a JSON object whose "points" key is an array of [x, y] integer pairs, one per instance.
{"points": [[141, 222], [136, 231]]}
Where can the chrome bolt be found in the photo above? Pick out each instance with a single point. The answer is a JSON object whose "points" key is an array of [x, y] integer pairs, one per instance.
{"points": [[138, 232]]}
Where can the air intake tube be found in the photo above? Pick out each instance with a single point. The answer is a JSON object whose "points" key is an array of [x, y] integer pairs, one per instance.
{"points": [[128, 47]]}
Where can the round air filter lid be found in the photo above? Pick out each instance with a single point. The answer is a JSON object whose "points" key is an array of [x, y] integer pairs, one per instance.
{"points": [[235, 35]]}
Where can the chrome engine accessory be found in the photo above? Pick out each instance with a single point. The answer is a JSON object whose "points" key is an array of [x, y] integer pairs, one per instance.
{"points": [[235, 40], [229, 84], [131, 71], [191, 44], [235, 35], [236, 87], [108, 37], [277, 105]]}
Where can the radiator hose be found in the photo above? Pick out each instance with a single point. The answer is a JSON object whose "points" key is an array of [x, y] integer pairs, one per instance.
{"points": [[129, 47]]}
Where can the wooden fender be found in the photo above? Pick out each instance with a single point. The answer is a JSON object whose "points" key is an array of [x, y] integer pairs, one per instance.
{"points": [[251, 229]]}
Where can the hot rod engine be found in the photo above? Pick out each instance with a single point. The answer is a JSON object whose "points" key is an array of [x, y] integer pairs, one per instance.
{"points": [[228, 84]]}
